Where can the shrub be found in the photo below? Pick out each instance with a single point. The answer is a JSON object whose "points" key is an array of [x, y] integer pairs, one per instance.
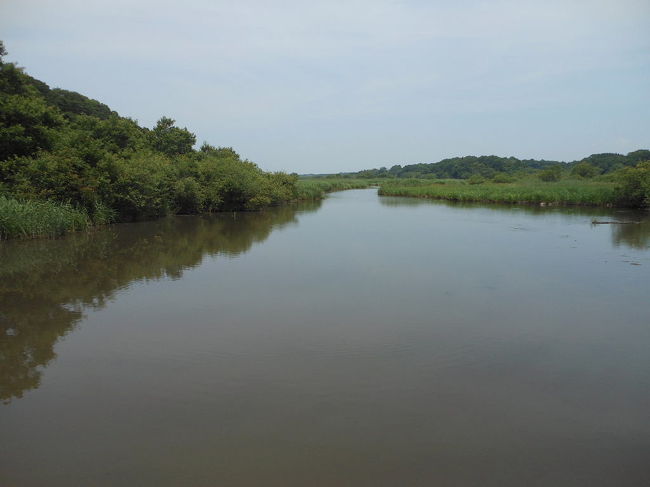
{"points": [[585, 170], [476, 179], [143, 186], [634, 185], [553, 173], [188, 196], [502, 177]]}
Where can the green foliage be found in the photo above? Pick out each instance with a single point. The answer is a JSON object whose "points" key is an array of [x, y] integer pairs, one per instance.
{"points": [[550, 174], [528, 191], [585, 170], [188, 196], [26, 124], [29, 219], [476, 179], [502, 177], [171, 140], [315, 188], [61, 146], [73, 103], [490, 166], [142, 186], [634, 186]]}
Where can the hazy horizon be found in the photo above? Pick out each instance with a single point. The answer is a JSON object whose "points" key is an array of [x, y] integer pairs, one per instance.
{"points": [[324, 87]]}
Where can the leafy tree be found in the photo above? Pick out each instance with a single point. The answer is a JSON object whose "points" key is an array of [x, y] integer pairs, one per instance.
{"points": [[634, 185], [142, 187], [219, 152], [171, 140], [584, 170], [551, 174], [73, 103], [26, 124]]}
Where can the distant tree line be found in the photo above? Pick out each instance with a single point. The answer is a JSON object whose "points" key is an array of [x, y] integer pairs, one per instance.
{"points": [[494, 166], [59, 145]]}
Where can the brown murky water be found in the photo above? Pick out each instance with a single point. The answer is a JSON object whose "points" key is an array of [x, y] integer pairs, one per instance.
{"points": [[366, 341]]}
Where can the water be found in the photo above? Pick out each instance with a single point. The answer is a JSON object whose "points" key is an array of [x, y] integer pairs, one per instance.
{"points": [[366, 341]]}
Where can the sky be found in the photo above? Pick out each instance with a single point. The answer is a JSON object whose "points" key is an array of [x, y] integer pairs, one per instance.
{"points": [[329, 86]]}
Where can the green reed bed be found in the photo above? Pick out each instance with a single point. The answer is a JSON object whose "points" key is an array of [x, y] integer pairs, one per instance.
{"points": [[30, 219], [315, 188], [568, 192]]}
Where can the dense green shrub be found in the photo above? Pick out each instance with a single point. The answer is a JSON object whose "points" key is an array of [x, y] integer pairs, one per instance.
{"points": [[476, 179], [551, 174], [188, 196], [143, 186], [634, 186], [502, 178], [584, 170]]}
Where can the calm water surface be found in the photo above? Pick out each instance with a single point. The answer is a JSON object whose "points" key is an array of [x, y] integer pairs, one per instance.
{"points": [[366, 341]]}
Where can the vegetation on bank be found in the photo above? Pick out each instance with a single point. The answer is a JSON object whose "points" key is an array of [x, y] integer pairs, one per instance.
{"points": [[315, 188], [28, 219], [596, 180], [69, 158], [83, 159], [525, 191], [629, 187], [490, 167]]}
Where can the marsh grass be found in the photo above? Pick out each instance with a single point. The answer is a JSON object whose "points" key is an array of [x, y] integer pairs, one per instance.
{"points": [[30, 219], [527, 191], [316, 188]]}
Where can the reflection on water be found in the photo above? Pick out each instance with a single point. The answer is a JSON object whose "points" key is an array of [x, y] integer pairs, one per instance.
{"points": [[636, 235], [381, 341], [45, 285]]}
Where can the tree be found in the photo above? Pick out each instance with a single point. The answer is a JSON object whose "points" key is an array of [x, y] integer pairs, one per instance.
{"points": [[553, 173], [634, 185], [585, 170], [26, 124], [171, 140]]}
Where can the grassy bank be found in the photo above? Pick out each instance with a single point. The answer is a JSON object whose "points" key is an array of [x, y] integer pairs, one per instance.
{"points": [[35, 218], [315, 188], [29, 219], [567, 192]]}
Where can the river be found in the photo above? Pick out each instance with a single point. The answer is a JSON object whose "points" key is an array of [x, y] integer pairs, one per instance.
{"points": [[361, 341]]}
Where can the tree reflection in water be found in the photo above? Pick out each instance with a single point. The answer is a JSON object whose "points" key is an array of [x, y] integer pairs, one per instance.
{"points": [[45, 285]]}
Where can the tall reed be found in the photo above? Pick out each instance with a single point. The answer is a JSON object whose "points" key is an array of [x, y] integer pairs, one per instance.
{"points": [[315, 188], [30, 219], [568, 192]]}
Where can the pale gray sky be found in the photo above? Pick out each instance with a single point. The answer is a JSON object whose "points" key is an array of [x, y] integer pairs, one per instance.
{"points": [[328, 86]]}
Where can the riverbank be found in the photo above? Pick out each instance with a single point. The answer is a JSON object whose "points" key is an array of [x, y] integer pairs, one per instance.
{"points": [[317, 188], [561, 193], [26, 219], [31, 219]]}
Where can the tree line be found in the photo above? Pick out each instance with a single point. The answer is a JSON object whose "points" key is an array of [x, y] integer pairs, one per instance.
{"points": [[62, 146], [494, 166]]}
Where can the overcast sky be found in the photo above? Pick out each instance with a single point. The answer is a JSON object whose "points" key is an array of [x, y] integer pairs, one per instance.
{"points": [[328, 86]]}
